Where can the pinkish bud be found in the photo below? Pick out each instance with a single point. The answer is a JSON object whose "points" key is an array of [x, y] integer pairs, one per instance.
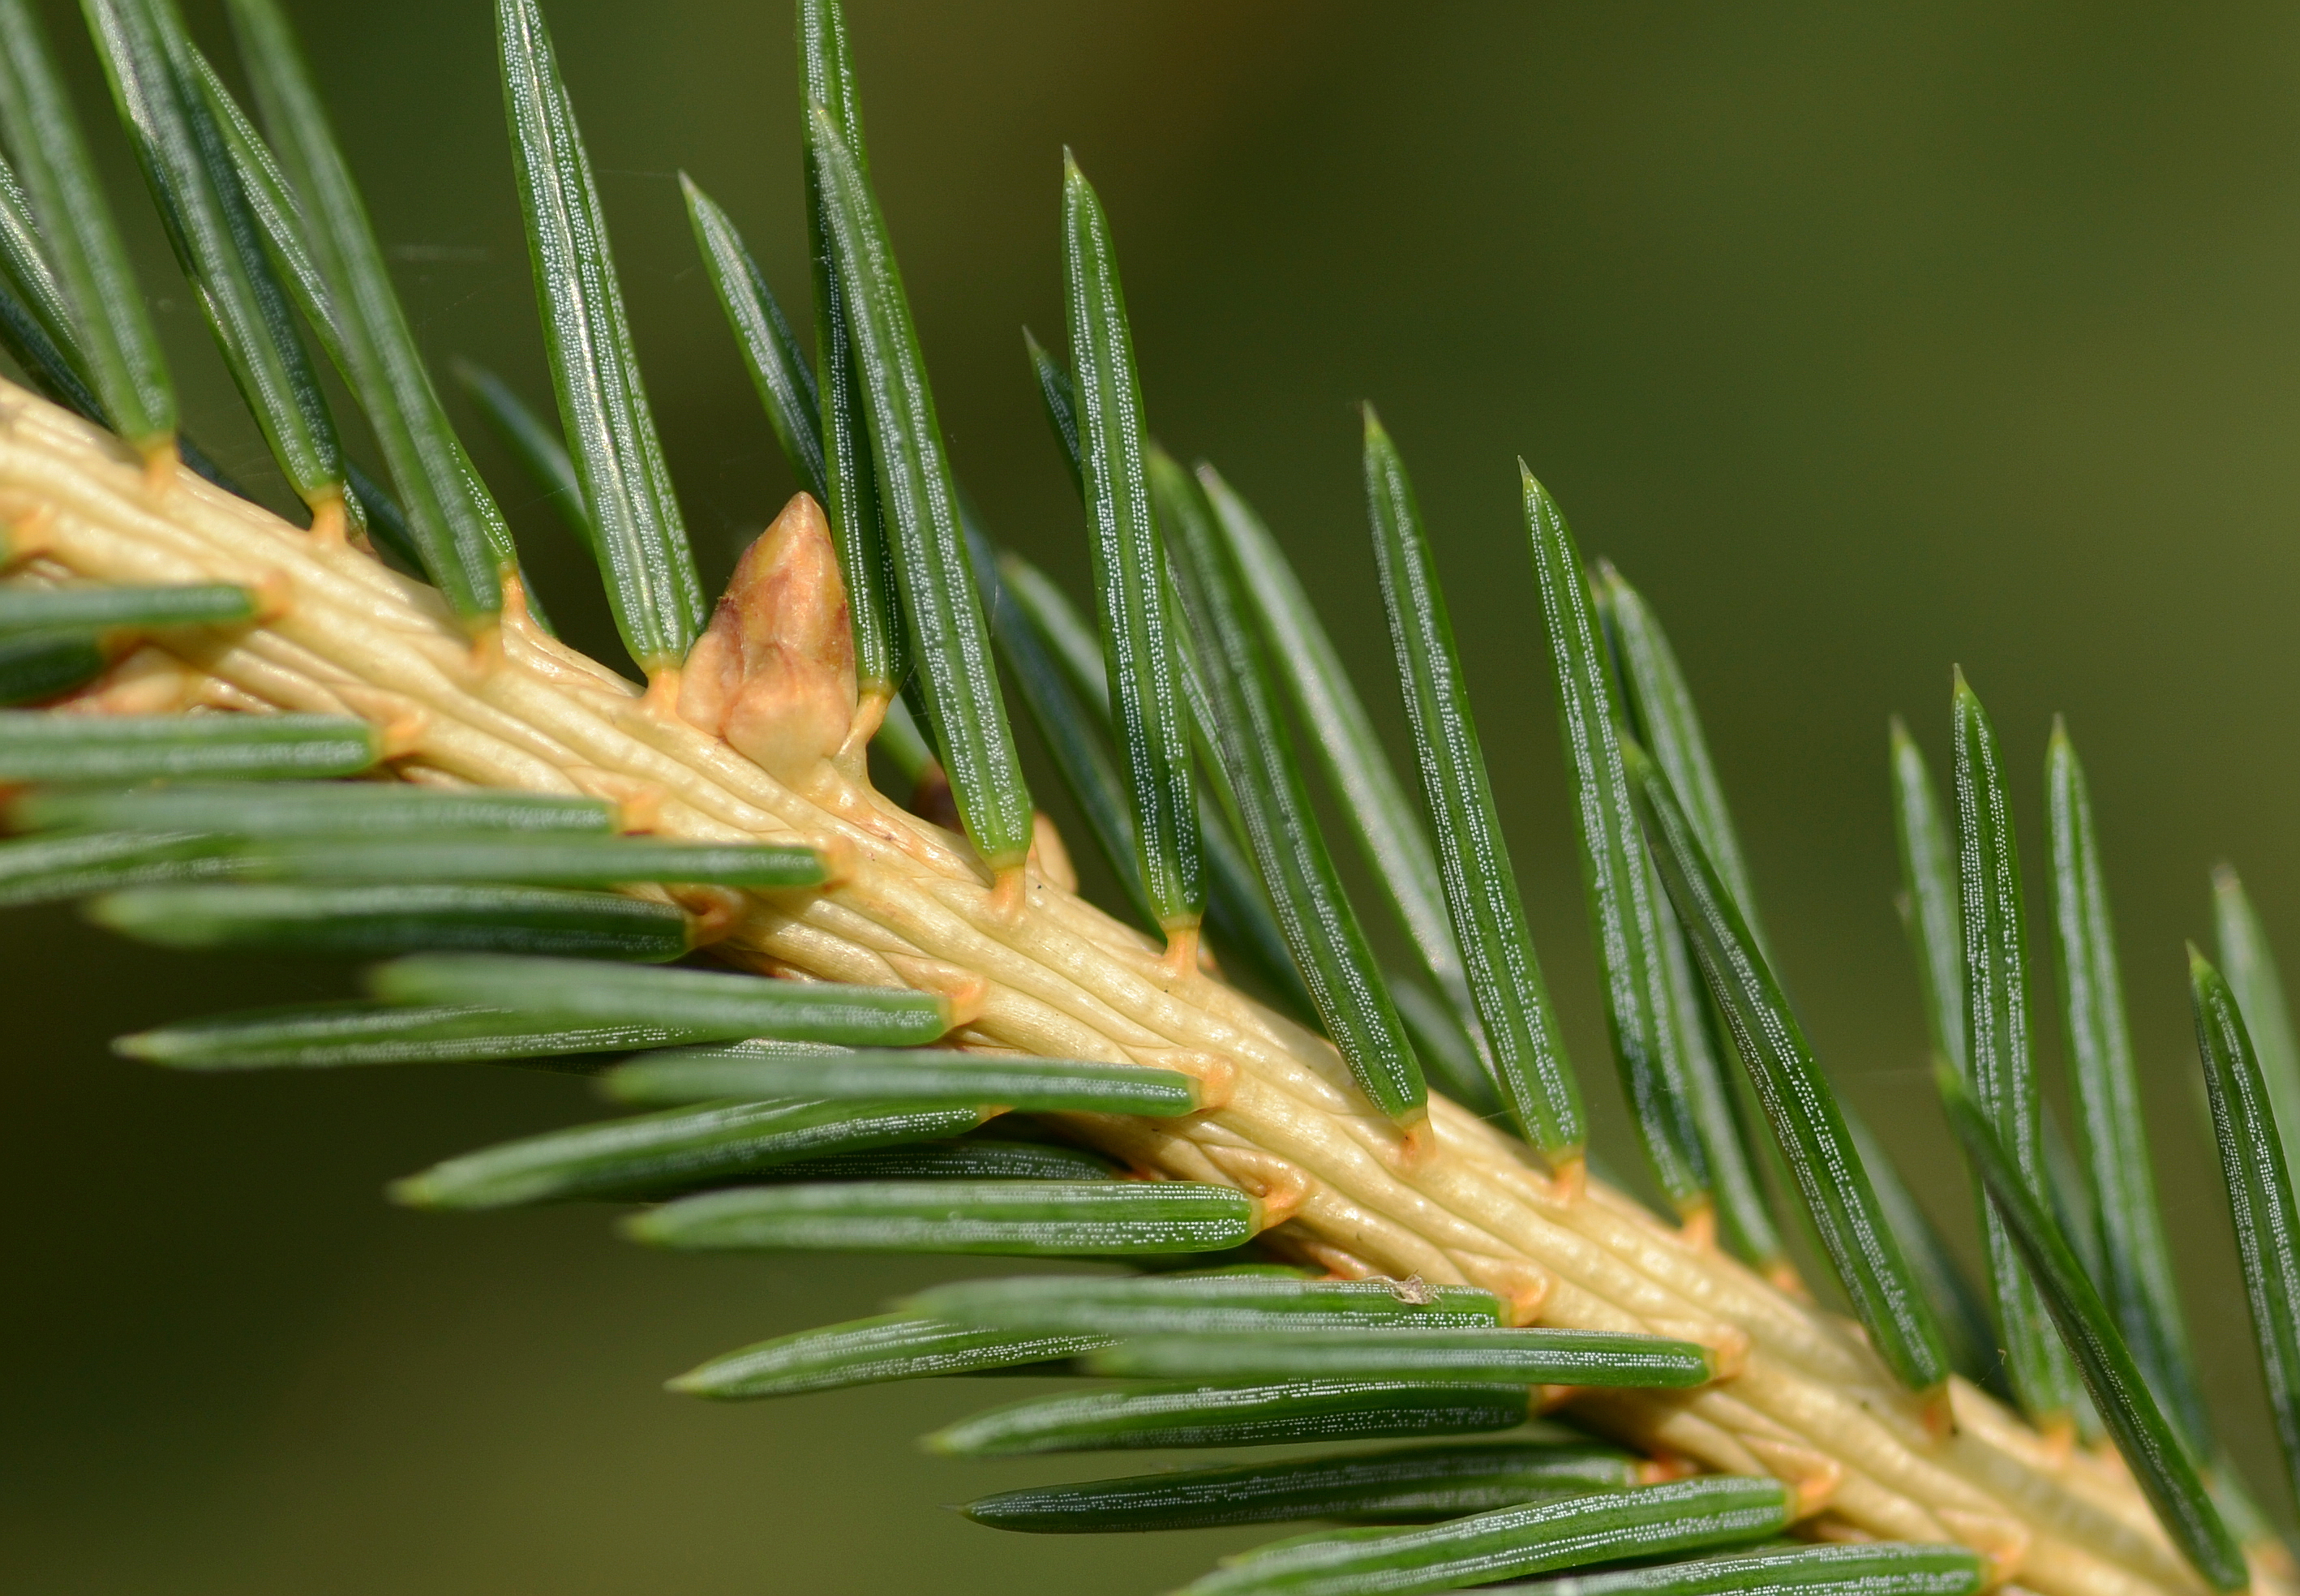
{"points": [[774, 674]]}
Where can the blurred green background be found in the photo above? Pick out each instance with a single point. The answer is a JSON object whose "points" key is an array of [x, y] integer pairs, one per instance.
{"points": [[1865, 339]]}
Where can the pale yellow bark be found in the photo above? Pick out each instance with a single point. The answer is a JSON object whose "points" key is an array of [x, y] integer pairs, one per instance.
{"points": [[1799, 1395]]}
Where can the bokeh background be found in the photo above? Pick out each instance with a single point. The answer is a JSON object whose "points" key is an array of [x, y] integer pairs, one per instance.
{"points": [[1865, 339]]}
